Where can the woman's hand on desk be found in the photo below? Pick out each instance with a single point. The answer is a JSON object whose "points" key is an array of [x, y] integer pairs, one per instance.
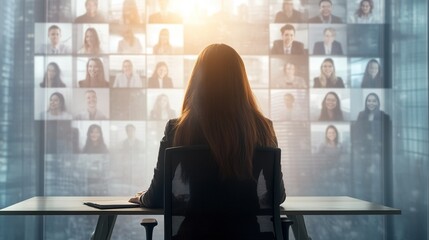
{"points": [[137, 198]]}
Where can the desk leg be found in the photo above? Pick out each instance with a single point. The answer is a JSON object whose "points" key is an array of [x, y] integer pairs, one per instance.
{"points": [[104, 228], [298, 227]]}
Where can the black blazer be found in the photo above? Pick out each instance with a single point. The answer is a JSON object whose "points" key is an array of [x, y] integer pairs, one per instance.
{"points": [[297, 47], [319, 48], [154, 197], [316, 19]]}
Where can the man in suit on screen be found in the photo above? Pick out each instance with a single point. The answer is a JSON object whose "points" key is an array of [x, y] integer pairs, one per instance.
{"points": [[287, 45]]}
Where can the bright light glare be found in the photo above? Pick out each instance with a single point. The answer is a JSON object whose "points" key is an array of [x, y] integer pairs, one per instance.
{"points": [[193, 11]]}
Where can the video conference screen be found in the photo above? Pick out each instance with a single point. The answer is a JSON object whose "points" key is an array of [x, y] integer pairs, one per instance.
{"points": [[108, 75]]}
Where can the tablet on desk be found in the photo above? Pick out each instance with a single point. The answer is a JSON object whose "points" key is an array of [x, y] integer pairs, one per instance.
{"points": [[111, 204]]}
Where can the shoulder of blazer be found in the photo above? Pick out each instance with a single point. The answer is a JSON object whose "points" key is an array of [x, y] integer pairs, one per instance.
{"points": [[298, 44]]}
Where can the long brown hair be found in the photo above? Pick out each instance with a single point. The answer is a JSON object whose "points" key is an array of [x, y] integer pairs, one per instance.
{"points": [[219, 105]]}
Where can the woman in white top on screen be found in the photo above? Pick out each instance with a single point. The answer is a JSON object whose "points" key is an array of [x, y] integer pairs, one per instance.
{"points": [[57, 108], [91, 42], [161, 109], [129, 43], [127, 78], [163, 46], [364, 13]]}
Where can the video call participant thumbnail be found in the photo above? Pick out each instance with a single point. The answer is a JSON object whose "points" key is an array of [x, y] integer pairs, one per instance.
{"points": [[325, 16], [287, 45], [55, 46]]}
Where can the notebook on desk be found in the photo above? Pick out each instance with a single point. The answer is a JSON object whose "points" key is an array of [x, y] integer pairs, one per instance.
{"points": [[111, 204]]}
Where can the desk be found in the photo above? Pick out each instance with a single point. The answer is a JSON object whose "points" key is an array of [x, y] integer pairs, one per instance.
{"points": [[294, 207]]}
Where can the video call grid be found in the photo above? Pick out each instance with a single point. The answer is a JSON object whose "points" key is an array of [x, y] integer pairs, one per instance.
{"points": [[137, 103]]}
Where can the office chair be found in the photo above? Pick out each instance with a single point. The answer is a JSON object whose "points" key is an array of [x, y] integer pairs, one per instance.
{"points": [[199, 204]]}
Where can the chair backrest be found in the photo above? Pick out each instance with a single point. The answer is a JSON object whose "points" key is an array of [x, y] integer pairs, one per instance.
{"points": [[199, 204]]}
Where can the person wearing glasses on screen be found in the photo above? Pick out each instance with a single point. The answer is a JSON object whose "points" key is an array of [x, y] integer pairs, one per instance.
{"points": [[287, 45], [331, 148], [164, 15], [325, 16], [331, 108], [373, 77], [129, 42], [91, 15], [327, 77], [91, 42], [289, 79], [127, 78], [130, 14], [364, 13], [94, 75], [91, 112], [54, 46], [94, 141], [52, 77], [161, 109], [288, 14], [160, 78], [163, 46], [329, 46], [57, 108]]}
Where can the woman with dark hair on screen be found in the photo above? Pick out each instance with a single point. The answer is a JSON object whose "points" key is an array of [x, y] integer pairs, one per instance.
{"points": [[331, 148], [94, 75], [160, 78], [91, 42], [52, 78], [372, 110], [372, 78], [163, 46], [219, 110], [327, 78], [161, 109], [372, 130], [364, 13], [57, 108], [130, 14], [331, 108], [94, 141]]}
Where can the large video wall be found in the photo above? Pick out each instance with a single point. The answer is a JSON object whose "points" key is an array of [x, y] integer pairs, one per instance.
{"points": [[108, 75]]}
